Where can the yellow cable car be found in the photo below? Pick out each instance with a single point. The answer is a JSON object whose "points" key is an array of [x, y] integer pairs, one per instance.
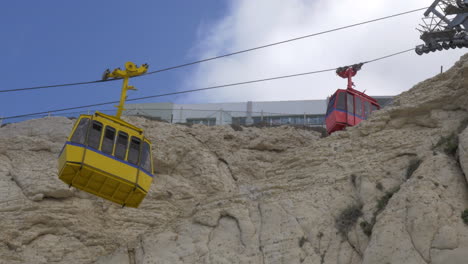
{"points": [[107, 156]]}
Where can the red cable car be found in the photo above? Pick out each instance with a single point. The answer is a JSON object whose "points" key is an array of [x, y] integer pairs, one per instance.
{"points": [[348, 107]]}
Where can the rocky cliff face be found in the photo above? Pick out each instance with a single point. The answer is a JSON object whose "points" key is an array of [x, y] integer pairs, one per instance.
{"points": [[391, 190]]}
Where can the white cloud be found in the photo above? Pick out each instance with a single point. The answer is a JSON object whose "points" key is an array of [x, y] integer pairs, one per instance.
{"points": [[251, 23]]}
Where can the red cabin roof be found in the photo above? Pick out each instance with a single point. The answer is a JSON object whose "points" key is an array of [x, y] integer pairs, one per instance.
{"points": [[361, 94]]}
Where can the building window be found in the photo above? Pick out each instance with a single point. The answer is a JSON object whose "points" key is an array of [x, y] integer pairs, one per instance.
{"points": [[315, 120], [202, 121], [239, 120]]}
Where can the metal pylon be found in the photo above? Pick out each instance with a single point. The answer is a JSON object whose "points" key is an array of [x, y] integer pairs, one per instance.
{"points": [[444, 26]]}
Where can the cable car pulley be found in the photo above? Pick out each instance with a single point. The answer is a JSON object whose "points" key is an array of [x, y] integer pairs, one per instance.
{"points": [[445, 26]]}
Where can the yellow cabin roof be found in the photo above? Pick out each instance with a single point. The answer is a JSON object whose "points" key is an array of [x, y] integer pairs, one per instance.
{"points": [[120, 121]]}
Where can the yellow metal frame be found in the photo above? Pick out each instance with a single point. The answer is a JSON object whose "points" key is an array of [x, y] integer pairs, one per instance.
{"points": [[131, 70], [102, 174]]}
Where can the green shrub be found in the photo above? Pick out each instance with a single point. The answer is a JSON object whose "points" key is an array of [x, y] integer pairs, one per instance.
{"points": [[348, 218], [353, 179], [448, 145], [236, 127], [302, 241], [383, 201], [463, 125], [452, 145], [464, 216], [379, 186], [367, 227], [320, 235], [381, 204], [413, 166], [321, 130]]}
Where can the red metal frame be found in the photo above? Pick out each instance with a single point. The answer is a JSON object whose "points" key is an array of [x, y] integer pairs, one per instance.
{"points": [[339, 119], [348, 73]]}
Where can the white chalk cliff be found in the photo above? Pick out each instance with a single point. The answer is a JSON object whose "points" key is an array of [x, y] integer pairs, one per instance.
{"points": [[390, 190]]}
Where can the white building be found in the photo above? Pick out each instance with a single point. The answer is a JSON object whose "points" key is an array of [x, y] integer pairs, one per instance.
{"points": [[303, 112]]}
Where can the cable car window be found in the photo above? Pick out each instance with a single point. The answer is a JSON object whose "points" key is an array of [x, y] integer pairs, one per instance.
{"points": [[366, 109], [94, 137], [374, 108], [350, 103], [331, 103], [108, 141], [121, 145], [341, 104], [146, 157], [79, 136], [134, 150], [358, 106]]}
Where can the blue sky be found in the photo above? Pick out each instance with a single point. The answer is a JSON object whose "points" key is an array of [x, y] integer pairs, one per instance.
{"points": [[51, 42]]}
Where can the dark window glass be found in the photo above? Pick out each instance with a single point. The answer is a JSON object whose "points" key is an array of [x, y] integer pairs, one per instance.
{"points": [[146, 157], [203, 121], [341, 104], [79, 136], [358, 106], [374, 108], [94, 137], [331, 104], [350, 103], [134, 150], [121, 145], [366, 109], [108, 141]]}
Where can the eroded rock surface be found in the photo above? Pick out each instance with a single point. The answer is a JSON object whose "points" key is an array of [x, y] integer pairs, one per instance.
{"points": [[390, 190]]}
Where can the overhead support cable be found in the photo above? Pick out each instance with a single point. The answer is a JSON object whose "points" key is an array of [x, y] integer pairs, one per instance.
{"points": [[285, 41], [220, 56], [54, 86], [206, 88], [227, 111]]}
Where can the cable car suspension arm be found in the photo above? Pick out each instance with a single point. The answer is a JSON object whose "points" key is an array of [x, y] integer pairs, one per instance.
{"points": [[131, 70], [349, 72]]}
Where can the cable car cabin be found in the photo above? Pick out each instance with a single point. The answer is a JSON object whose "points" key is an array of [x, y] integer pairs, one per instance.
{"points": [[348, 108], [107, 157]]}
